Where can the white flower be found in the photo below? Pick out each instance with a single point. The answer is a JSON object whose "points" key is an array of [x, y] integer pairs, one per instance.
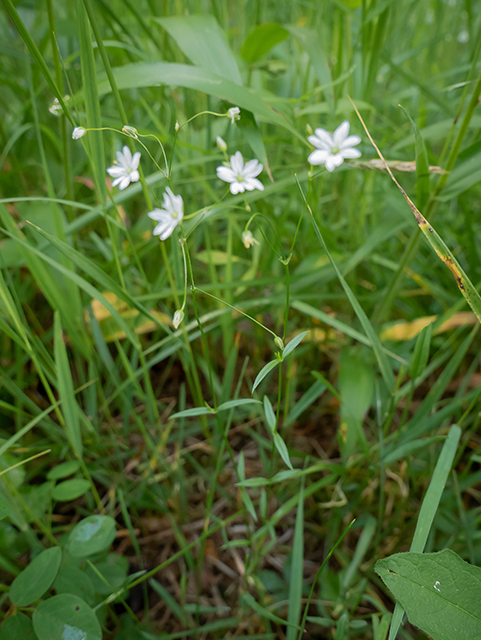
{"points": [[333, 149], [78, 132], [124, 169], [221, 143], [234, 114], [168, 217], [241, 176], [177, 319], [55, 108], [248, 239], [177, 126]]}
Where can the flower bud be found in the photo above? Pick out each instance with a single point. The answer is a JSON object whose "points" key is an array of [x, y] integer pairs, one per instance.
{"points": [[221, 143], [309, 130], [177, 126], [78, 132], [178, 317], [130, 131], [279, 342], [248, 239]]}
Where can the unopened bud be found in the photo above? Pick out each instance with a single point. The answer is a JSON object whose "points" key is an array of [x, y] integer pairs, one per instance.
{"points": [[279, 342], [78, 132], [309, 130], [221, 143], [177, 126], [234, 114], [177, 319], [130, 131]]}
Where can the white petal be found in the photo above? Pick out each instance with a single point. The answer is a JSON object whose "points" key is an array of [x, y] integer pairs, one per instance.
{"points": [[156, 214], [254, 183], [252, 169], [334, 161], [341, 133], [318, 156], [350, 141], [115, 171], [237, 163], [225, 174], [134, 176], [124, 183], [324, 138], [350, 153], [168, 231], [237, 187], [117, 180], [320, 143], [135, 160]]}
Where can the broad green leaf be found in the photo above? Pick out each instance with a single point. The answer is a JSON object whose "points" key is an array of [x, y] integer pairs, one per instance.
{"points": [[204, 43], [66, 617], [91, 535], [196, 411], [5, 507], [439, 592], [63, 470], [290, 346], [261, 40], [17, 627], [282, 449], [151, 74], [70, 408], [70, 489], [35, 579], [72, 580], [263, 372]]}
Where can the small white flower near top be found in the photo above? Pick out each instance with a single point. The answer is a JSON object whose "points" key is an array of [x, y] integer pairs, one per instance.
{"points": [[125, 168], [333, 149], [242, 177], [234, 114], [168, 217], [78, 132], [248, 239]]}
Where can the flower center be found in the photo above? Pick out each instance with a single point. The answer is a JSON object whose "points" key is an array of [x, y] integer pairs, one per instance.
{"points": [[240, 177], [335, 149]]}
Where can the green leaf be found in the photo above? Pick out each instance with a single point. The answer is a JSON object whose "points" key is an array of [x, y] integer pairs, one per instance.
{"points": [[297, 562], [72, 580], [196, 411], [91, 535], [356, 386], [466, 174], [230, 404], [263, 372], [420, 356], [113, 573], [310, 396], [70, 408], [439, 591], [289, 348], [63, 470], [66, 617], [5, 507], [35, 579], [422, 166], [151, 74], [261, 40], [204, 43], [17, 627], [282, 449], [270, 415], [70, 489]]}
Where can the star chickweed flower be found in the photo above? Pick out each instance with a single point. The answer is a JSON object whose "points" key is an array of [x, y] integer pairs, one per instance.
{"points": [[234, 114], [248, 239], [333, 149], [168, 217], [78, 132], [177, 319], [125, 168], [242, 177]]}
